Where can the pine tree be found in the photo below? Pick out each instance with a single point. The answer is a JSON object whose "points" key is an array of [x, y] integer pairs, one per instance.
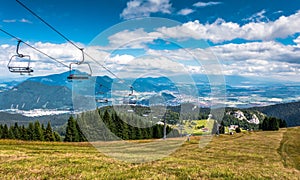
{"points": [[116, 124], [72, 134], [282, 123], [38, 132], [48, 135], [270, 124], [125, 133], [5, 132], [80, 133], [11, 133], [24, 133], [265, 124], [56, 136], [16, 131], [1, 130], [157, 131], [131, 130], [109, 125], [69, 131], [274, 124], [138, 133]]}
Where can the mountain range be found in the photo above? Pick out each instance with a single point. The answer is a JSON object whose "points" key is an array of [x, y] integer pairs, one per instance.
{"points": [[54, 92]]}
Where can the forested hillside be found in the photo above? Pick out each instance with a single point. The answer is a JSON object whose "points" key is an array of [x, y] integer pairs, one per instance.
{"points": [[290, 112]]}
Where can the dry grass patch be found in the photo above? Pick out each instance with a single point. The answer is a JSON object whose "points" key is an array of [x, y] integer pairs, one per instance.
{"points": [[241, 156]]}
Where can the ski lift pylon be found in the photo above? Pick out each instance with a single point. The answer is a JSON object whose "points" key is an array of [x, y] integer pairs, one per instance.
{"points": [[19, 68]]}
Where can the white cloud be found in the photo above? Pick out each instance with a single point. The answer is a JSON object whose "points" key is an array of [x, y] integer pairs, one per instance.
{"points": [[258, 17], [41, 64], [269, 51], [144, 8], [185, 11], [23, 20], [252, 59], [9, 20], [216, 32], [150, 66], [221, 31], [297, 41], [132, 39], [205, 4], [278, 12]]}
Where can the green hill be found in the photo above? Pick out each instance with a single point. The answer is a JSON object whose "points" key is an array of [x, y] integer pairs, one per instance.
{"points": [[290, 112]]}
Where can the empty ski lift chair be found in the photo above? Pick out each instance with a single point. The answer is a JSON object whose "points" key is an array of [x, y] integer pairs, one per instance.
{"points": [[22, 60], [101, 100], [77, 76], [132, 98]]}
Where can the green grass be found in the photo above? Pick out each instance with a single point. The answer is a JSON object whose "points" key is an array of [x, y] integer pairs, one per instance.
{"points": [[194, 126], [255, 155]]}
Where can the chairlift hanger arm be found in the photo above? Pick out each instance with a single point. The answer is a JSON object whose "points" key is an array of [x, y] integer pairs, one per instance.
{"points": [[17, 50], [82, 60]]}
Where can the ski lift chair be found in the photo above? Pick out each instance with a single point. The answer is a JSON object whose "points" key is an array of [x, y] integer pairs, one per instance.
{"points": [[79, 76], [132, 98], [101, 99], [17, 59]]}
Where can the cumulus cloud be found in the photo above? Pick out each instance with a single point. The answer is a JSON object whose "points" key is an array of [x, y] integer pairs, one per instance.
{"points": [[270, 59], [216, 32], [149, 66], [41, 64], [144, 8], [270, 51], [185, 11], [205, 4], [133, 39], [221, 31], [297, 41]]}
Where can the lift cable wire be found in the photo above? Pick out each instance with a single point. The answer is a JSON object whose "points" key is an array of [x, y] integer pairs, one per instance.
{"points": [[20, 40], [23, 5], [67, 39]]}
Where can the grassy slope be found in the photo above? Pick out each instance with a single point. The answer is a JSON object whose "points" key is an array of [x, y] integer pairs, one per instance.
{"points": [[248, 156], [290, 148]]}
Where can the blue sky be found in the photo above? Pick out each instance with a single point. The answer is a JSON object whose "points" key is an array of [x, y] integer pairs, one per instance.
{"points": [[83, 20], [249, 38]]}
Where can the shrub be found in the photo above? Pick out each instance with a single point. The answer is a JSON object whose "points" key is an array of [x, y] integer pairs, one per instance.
{"points": [[238, 130]]}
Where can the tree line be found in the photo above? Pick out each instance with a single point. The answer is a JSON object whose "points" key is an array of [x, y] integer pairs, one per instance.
{"points": [[268, 124], [33, 132], [272, 124], [106, 125]]}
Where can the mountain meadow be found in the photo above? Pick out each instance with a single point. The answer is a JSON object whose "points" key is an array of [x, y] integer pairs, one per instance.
{"points": [[247, 155]]}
